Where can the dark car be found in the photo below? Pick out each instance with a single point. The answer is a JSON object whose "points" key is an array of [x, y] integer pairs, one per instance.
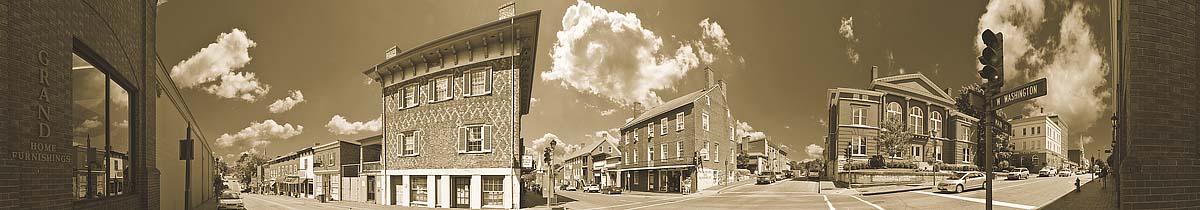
{"points": [[611, 190], [765, 179]]}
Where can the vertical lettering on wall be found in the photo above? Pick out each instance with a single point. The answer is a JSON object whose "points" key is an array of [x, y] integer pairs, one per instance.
{"points": [[43, 111]]}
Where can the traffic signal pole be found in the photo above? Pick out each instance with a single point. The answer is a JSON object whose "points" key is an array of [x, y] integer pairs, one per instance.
{"points": [[988, 154]]}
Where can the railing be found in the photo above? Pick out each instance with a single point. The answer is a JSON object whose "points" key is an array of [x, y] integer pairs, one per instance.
{"points": [[371, 166]]}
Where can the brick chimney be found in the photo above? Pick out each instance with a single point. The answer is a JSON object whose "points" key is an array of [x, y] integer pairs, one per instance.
{"points": [[391, 52], [874, 73], [638, 109], [708, 77], [507, 10]]}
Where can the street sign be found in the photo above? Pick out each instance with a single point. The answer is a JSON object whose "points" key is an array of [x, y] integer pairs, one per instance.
{"points": [[1031, 90], [526, 161]]}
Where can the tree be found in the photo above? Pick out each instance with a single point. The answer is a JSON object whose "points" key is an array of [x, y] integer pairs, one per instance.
{"points": [[247, 167], [893, 137], [743, 160], [1002, 147]]}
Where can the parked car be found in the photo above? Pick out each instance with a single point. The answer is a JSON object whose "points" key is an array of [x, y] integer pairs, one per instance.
{"points": [[231, 200], [962, 181], [1047, 172], [610, 190], [1019, 173], [765, 179], [814, 174], [569, 188], [1065, 173], [591, 188]]}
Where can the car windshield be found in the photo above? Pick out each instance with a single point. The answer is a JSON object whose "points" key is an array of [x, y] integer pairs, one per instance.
{"points": [[229, 195], [957, 176]]}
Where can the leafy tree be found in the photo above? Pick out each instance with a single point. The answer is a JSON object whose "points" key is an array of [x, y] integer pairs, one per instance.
{"points": [[893, 137], [743, 160], [247, 167], [1003, 146]]}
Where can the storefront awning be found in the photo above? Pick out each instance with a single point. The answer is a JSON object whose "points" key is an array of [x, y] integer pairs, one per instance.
{"points": [[654, 167]]}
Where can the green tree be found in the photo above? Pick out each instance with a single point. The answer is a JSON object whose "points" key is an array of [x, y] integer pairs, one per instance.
{"points": [[743, 160], [893, 137], [1003, 146], [247, 167]]}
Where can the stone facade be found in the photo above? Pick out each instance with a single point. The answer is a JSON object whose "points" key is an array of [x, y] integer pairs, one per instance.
{"points": [[1157, 152], [37, 39]]}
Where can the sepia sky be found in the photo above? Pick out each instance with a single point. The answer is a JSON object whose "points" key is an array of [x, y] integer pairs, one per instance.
{"points": [[270, 77]]}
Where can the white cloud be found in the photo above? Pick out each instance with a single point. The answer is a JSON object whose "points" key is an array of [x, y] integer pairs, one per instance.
{"points": [[744, 129], [285, 104], [1087, 140], [338, 125], [1070, 59], [560, 148], [846, 29], [87, 125], [216, 63], [121, 124], [607, 112], [814, 150], [610, 54], [258, 133], [713, 36]]}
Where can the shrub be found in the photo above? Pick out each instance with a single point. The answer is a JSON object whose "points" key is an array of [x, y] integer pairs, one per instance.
{"points": [[856, 165], [958, 167], [876, 161], [900, 164]]}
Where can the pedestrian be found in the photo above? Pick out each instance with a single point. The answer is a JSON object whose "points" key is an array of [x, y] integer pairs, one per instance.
{"points": [[1076, 184]]}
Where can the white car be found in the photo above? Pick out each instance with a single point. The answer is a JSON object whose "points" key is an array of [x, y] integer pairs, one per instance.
{"points": [[1019, 173], [1065, 173], [231, 200], [1048, 172], [962, 181]]}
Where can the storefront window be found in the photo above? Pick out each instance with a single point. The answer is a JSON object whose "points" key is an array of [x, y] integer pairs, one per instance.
{"points": [[493, 190], [420, 188], [100, 120]]}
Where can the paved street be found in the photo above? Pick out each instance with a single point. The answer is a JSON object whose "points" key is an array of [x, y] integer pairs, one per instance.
{"points": [[1009, 194]]}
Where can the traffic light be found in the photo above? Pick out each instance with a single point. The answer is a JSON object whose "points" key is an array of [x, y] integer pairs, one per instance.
{"points": [[992, 59], [546, 155]]}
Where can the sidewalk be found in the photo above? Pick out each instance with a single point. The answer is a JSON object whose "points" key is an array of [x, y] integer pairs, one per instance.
{"points": [[885, 189], [1093, 195]]}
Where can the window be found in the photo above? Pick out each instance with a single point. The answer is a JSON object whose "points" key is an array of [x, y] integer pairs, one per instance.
{"points": [[706, 150], [732, 133], [475, 138], [626, 136], [479, 81], [441, 89], [411, 141], [649, 152], [917, 152], [663, 126], [303, 164], [966, 155], [420, 189], [679, 149], [716, 152], [893, 111], [635, 136], [858, 115], [679, 121], [704, 121], [860, 145], [650, 130], [410, 96], [707, 101], [493, 190], [917, 117], [937, 153], [634, 152], [662, 152], [935, 124], [101, 133]]}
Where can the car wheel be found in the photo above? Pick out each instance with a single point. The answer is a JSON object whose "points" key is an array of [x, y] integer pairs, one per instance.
{"points": [[958, 189]]}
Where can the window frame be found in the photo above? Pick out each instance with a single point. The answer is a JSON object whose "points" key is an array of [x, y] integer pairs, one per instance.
{"points": [[704, 121], [662, 154], [495, 182], [679, 121], [404, 96], [858, 115], [663, 124], [916, 118], [679, 149], [129, 178], [894, 112], [650, 129], [935, 123], [486, 136], [469, 81], [435, 88], [860, 147], [407, 149]]}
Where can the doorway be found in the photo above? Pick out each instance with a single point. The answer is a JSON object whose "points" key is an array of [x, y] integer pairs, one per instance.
{"points": [[462, 192]]}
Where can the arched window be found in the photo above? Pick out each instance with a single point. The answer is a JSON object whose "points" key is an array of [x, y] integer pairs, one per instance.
{"points": [[916, 118], [893, 112], [935, 124]]}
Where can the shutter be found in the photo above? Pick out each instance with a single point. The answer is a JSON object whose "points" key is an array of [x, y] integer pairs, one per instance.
{"points": [[431, 91], [462, 139], [402, 145], [450, 86], [487, 138], [416, 142], [487, 85], [466, 83]]}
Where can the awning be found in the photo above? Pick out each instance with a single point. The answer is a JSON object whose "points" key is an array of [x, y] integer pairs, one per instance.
{"points": [[654, 167]]}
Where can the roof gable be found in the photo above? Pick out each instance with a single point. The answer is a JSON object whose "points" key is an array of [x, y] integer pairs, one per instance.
{"points": [[916, 83]]}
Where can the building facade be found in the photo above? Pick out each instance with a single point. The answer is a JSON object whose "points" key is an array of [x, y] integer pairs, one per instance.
{"points": [[78, 116], [1041, 142], [938, 132], [764, 156], [331, 162], [684, 145], [591, 164], [451, 112], [292, 174]]}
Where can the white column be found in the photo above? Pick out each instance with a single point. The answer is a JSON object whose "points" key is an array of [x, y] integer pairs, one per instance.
{"points": [[512, 192], [476, 191], [431, 198], [445, 191], [386, 188], [406, 200]]}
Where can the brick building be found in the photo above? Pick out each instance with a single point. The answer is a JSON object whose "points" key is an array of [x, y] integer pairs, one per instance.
{"points": [[292, 173], [590, 164], [1157, 140], [332, 162], [939, 133], [686, 144], [77, 114], [1041, 141], [765, 156], [452, 112]]}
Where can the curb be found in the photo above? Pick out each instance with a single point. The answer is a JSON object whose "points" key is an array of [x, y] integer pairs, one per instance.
{"points": [[894, 191]]}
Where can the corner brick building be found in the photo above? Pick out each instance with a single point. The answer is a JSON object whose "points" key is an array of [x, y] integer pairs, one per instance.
{"points": [[63, 63], [1157, 140], [452, 112]]}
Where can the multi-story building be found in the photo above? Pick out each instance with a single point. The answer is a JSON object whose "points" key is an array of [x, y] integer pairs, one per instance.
{"points": [[331, 162], [682, 145], [939, 133], [590, 164], [1076, 154], [1040, 141], [764, 156], [362, 186], [292, 173], [452, 112]]}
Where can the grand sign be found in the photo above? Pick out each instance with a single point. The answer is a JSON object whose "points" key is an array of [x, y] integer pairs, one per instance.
{"points": [[1031, 90], [42, 152]]}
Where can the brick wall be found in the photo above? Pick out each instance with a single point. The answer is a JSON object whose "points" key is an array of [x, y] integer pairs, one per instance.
{"points": [[121, 34], [1159, 108]]}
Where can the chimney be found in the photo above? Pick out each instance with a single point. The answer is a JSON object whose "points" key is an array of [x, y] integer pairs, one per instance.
{"points": [[507, 10], [638, 109], [391, 52], [874, 73], [708, 76]]}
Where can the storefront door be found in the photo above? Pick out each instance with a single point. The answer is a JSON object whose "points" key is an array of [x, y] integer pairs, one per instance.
{"points": [[462, 192]]}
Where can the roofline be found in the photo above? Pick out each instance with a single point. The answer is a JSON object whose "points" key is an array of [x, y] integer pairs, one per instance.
{"points": [[635, 121], [426, 45]]}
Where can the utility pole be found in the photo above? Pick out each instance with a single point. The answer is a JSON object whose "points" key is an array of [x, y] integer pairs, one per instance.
{"points": [[186, 148]]}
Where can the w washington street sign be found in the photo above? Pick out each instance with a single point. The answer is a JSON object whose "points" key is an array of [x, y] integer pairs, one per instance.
{"points": [[1031, 90]]}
